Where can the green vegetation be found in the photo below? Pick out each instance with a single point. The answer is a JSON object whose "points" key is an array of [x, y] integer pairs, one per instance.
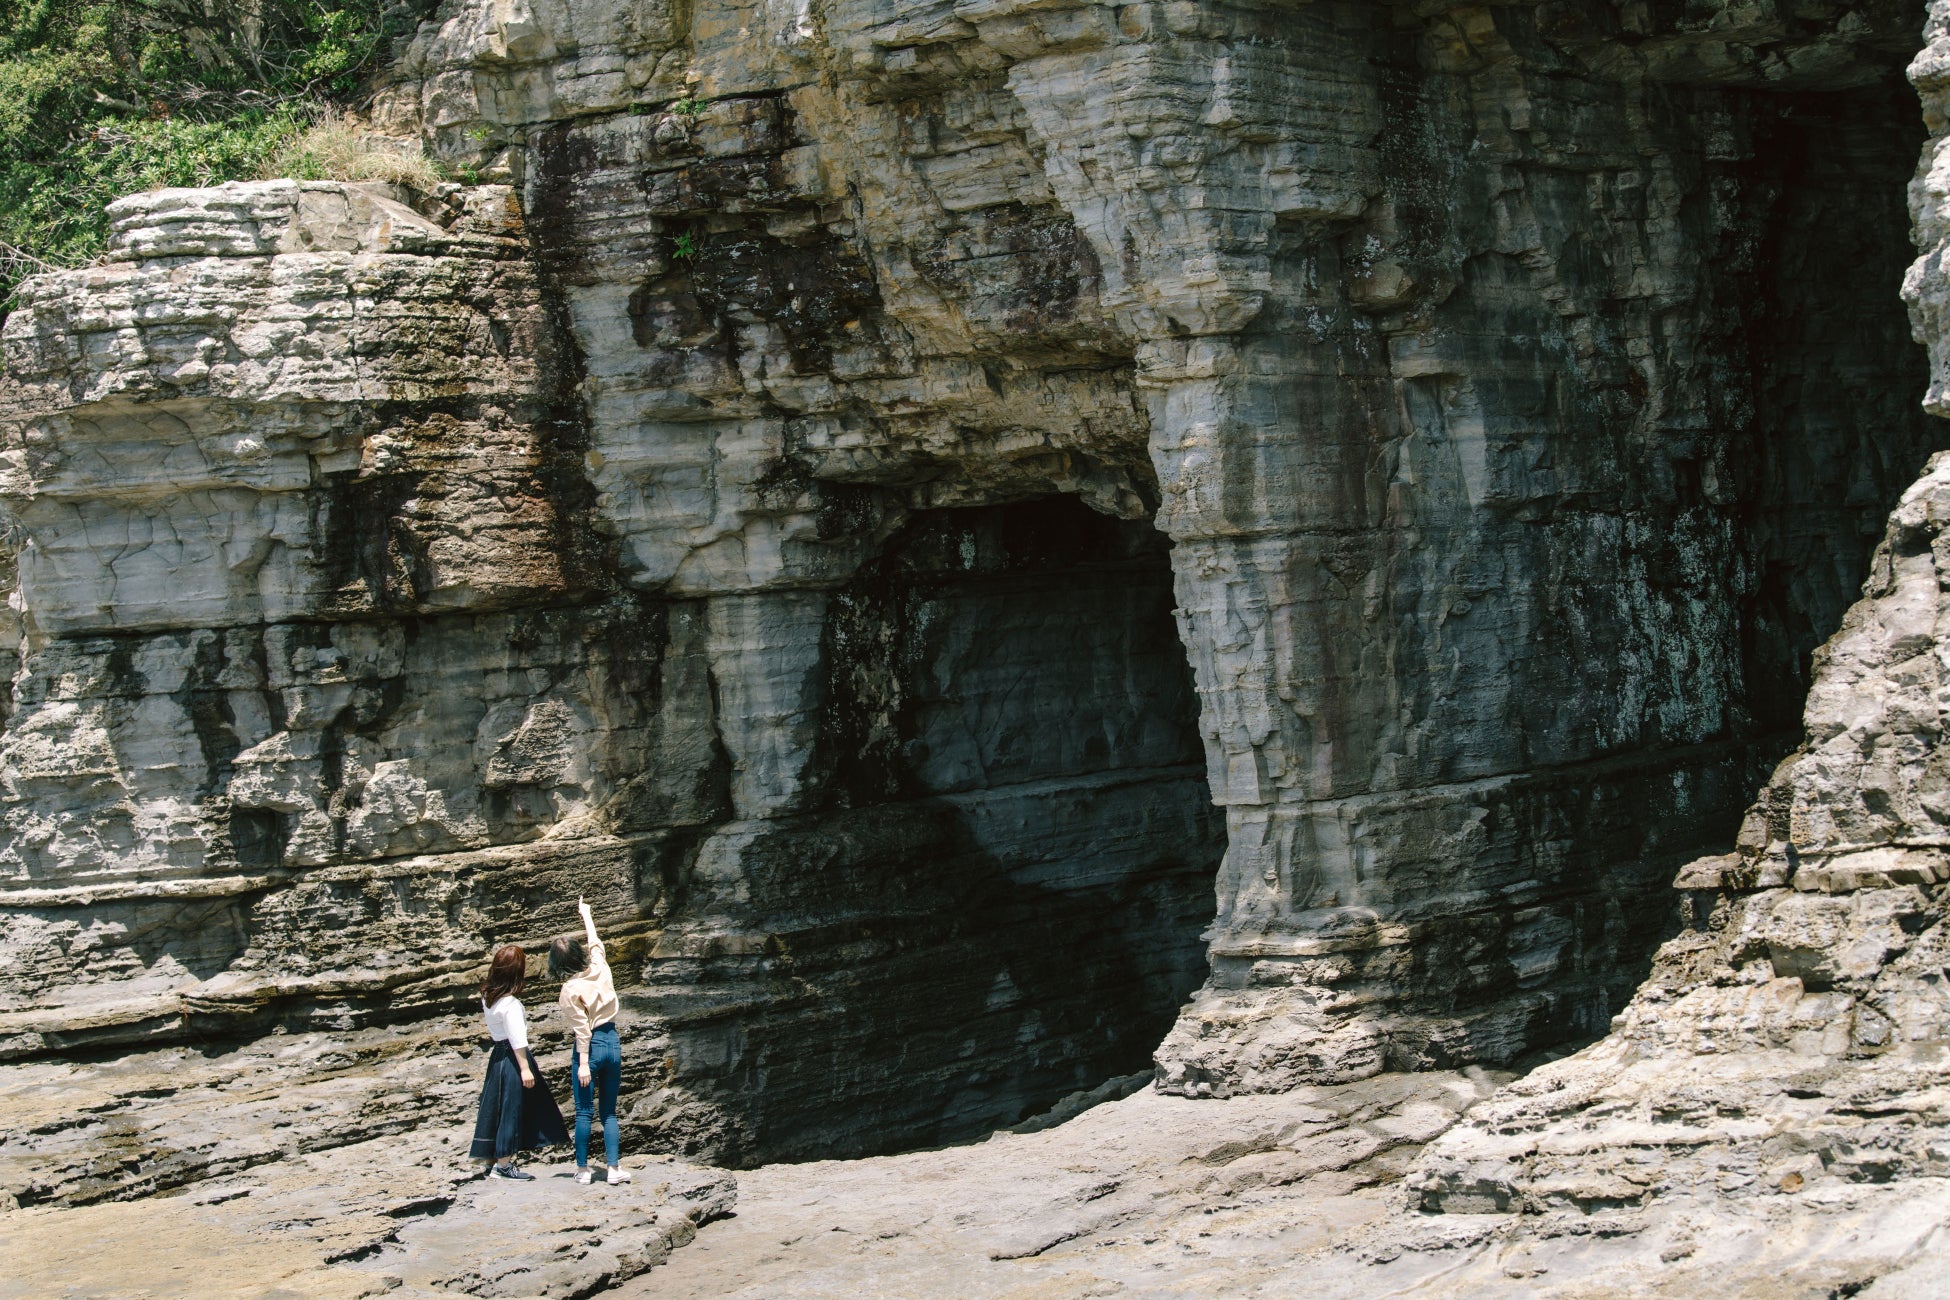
{"points": [[99, 98]]}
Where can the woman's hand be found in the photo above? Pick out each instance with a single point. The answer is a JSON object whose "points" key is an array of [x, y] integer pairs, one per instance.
{"points": [[582, 1074], [527, 1076], [582, 907]]}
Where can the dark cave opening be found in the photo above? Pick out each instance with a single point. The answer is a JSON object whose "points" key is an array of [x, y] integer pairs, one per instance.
{"points": [[994, 646], [1836, 383], [1003, 898]]}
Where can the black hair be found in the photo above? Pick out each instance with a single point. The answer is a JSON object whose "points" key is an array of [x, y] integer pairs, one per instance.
{"points": [[567, 956]]}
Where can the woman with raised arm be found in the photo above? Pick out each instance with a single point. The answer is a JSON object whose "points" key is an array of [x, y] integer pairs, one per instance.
{"points": [[517, 1113], [589, 1001]]}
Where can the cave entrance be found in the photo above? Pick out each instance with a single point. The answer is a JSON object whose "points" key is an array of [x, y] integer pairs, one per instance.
{"points": [[1835, 381], [1005, 898]]}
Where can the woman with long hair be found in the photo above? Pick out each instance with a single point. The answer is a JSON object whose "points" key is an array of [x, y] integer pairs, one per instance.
{"points": [[517, 1113], [588, 1001]]}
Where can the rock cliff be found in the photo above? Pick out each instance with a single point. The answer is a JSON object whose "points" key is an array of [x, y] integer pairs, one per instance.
{"points": [[1770, 1106], [1517, 405], [910, 507], [332, 675]]}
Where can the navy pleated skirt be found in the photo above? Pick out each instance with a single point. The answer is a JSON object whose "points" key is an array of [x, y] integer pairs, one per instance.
{"points": [[514, 1118]]}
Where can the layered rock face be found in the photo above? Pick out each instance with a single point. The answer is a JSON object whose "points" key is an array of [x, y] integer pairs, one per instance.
{"points": [[1522, 386], [1770, 1104], [1769, 1107], [882, 498], [285, 472], [329, 678]]}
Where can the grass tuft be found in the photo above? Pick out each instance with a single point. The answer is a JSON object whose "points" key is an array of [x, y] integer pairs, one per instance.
{"points": [[336, 149]]}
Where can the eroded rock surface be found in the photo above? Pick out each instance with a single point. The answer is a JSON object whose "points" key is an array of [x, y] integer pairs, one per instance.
{"points": [[1771, 1106], [888, 500], [1521, 388], [308, 1165], [1765, 1119], [334, 673], [1149, 1195], [361, 539]]}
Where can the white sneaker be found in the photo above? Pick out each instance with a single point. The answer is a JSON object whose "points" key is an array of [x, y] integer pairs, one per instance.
{"points": [[583, 1176], [617, 1174]]}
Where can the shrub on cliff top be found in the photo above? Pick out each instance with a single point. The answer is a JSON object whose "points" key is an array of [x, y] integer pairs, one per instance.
{"points": [[100, 98]]}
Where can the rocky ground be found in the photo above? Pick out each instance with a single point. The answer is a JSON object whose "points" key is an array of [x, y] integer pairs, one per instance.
{"points": [[305, 1166], [150, 1196], [1276, 1196], [1150, 1195], [217, 1186]]}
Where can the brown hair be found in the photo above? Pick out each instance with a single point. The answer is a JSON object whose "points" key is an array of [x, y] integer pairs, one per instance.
{"points": [[505, 973]]}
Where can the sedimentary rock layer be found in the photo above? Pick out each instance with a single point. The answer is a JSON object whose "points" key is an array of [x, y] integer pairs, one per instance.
{"points": [[1775, 1090], [335, 670], [883, 498], [1522, 387], [1770, 1104]]}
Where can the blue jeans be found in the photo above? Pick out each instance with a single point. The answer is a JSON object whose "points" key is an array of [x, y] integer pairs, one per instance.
{"points": [[605, 1076]]}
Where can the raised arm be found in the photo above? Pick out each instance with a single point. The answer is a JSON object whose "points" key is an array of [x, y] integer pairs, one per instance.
{"points": [[598, 959]]}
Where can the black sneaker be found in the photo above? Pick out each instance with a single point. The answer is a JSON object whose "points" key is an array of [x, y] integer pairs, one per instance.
{"points": [[511, 1173]]}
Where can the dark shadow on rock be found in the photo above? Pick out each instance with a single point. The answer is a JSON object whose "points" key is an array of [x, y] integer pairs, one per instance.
{"points": [[1002, 900]]}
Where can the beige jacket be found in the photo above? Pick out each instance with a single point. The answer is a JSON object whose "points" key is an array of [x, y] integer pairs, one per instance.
{"points": [[589, 999]]}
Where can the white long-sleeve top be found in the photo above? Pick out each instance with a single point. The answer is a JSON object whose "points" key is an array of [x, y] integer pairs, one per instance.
{"points": [[507, 1022]]}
